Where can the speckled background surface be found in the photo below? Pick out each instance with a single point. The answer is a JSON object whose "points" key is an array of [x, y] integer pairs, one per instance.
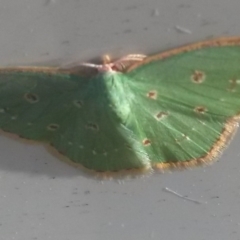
{"points": [[44, 198]]}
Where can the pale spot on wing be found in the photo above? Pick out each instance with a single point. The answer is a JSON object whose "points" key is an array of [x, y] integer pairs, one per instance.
{"points": [[31, 97], [70, 143], [14, 117], [94, 152], [181, 139], [233, 85], [81, 146], [203, 123], [198, 76]]}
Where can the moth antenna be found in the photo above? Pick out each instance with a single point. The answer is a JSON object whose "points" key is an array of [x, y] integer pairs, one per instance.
{"points": [[92, 65], [132, 57]]}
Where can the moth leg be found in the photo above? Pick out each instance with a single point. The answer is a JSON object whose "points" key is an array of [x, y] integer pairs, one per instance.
{"points": [[132, 57]]}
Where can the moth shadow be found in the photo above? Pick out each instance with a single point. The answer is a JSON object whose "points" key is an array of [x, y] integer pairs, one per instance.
{"points": [[34, 158]]}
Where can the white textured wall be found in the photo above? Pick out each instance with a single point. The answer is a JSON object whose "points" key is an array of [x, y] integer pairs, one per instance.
{"points": [[44, 198]]}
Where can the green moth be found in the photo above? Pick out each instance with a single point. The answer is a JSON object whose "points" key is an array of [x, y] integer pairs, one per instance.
{"points": [[175, 109]]}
